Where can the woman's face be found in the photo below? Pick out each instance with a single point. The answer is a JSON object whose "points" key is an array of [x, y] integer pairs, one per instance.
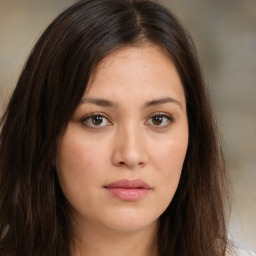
{"points": [[121, 155]]}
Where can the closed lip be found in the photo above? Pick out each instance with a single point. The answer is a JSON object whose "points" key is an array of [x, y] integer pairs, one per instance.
{"points": [[128, 190], [129, 184]]}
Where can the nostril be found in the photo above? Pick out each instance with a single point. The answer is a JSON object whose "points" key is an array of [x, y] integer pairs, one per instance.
{"points": [[123, 163]]}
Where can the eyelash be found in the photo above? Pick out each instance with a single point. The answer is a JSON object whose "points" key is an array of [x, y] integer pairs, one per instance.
{"points": [[88, 117], [168, 118], [161, 115]]}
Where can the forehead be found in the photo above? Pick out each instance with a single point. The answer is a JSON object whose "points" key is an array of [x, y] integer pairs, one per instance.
{"points": [[136, 71]]}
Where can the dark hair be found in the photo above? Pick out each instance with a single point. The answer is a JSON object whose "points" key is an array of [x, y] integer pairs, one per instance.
{"points": [[34, 214]]}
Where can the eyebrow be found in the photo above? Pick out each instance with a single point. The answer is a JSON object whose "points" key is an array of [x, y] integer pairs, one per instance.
{"points": [[99, 102], [107, 103], [162, 101]]}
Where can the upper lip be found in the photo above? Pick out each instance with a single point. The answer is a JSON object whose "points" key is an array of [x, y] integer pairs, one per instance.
{"points": [[128, 183]]}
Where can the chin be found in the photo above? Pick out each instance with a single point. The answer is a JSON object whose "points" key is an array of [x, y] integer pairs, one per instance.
{"points": [[127, 223]]}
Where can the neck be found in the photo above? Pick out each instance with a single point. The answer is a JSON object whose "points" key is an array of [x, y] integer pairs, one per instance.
{"points": [[93, 241]]}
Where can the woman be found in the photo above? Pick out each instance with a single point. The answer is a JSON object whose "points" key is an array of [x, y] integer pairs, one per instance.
{"points": [[108, 144]]}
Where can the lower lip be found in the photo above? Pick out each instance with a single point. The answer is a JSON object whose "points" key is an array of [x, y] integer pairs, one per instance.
{"points": [[129, 194]]}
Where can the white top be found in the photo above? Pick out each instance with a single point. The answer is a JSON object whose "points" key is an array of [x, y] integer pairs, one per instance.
{"points": [[246, 253]]}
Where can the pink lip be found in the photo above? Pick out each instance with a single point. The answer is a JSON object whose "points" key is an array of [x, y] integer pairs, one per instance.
{"points": [[129, 190]]}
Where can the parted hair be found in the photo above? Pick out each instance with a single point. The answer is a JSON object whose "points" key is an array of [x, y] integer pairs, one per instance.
{"points": [[34, 214]]}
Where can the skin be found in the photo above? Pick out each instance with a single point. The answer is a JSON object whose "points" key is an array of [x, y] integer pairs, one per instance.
{"points": [[124, 141]]}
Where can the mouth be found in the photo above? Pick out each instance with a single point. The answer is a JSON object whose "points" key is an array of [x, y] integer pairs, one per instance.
{"points": [[128, 190]]}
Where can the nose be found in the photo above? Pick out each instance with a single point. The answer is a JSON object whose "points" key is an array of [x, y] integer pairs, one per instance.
{"points": [[130, 148]]}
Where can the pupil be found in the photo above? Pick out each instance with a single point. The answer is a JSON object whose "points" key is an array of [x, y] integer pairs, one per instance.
{"points": [[157, 120], [97, 120]]}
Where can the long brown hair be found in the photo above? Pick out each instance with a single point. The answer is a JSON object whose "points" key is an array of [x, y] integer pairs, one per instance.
{"points": [[34, 214]]}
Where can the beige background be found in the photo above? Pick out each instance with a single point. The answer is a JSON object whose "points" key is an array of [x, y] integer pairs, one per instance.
{"points": [[225, 35]]}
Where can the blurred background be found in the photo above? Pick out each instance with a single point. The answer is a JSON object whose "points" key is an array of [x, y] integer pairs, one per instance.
{"points": [[225, 35]]}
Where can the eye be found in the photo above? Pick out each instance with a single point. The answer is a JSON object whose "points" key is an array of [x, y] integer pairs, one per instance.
{"points": [[96, 120], [160, 120]]}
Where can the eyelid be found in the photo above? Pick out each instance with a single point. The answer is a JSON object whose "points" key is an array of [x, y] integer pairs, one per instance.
{"points": [[163, 114], [83, 120]]}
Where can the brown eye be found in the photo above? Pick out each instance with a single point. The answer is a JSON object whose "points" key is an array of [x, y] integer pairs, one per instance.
{"points": [[157, 120], [96, 121], [160, 120]]}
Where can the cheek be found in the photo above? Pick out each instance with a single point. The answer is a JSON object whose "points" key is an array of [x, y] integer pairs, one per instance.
{"points": [[78, 156], [79, 170], [78, 164], [171, 154], [169, 161]]}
